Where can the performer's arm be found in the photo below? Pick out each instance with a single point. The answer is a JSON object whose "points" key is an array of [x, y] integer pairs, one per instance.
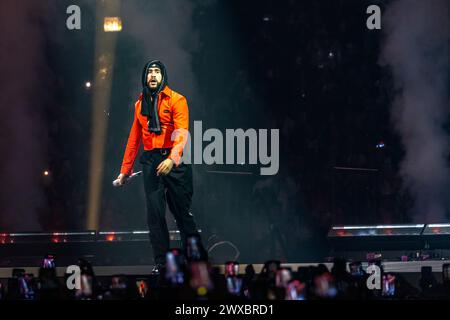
{"points": [[133, 144], [181, 127]]}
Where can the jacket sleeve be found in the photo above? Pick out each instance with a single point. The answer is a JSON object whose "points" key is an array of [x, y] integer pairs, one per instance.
{"points": [[181, 127], [133, 144]]}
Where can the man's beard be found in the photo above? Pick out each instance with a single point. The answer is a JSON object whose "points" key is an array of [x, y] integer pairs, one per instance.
{"points": [[158, 84]]}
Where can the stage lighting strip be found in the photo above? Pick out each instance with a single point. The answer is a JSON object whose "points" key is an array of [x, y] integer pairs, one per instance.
{"points": [[379, 227]]}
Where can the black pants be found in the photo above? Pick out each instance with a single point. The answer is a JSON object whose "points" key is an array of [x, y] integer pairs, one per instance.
{"points": [[175, 188]]}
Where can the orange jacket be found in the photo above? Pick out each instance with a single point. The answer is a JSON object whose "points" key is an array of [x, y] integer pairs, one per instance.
{"points": [[173, 115]]}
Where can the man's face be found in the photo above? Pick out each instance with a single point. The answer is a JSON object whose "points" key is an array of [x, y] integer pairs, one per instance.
{"points": [[154, 77]]}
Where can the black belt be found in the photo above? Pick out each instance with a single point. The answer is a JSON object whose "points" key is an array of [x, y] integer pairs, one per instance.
{"points": [[162, 151]]}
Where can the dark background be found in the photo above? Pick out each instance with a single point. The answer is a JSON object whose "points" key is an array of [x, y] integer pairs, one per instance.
{"points": [[308, 68]]}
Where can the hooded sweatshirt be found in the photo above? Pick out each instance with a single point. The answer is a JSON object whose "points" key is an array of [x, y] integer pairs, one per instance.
{"points": [[150, 96], [161, 122]]}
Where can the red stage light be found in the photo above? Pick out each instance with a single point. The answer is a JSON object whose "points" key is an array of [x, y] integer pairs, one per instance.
{"points": [[341, 233]]}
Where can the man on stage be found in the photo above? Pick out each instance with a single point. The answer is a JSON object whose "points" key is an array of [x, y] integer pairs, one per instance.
{"points": [[161, 120]]}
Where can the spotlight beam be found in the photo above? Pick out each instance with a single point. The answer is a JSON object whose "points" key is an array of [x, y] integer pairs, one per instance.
{"points": [[104, 62]]}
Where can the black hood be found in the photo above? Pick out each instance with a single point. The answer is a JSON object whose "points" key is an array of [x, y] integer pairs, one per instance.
{"points": [[164, 81], [149, 105]]}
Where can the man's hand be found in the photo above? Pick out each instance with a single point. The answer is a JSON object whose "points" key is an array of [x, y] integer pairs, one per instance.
{"points": [[164, 167], [122, 179]]}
